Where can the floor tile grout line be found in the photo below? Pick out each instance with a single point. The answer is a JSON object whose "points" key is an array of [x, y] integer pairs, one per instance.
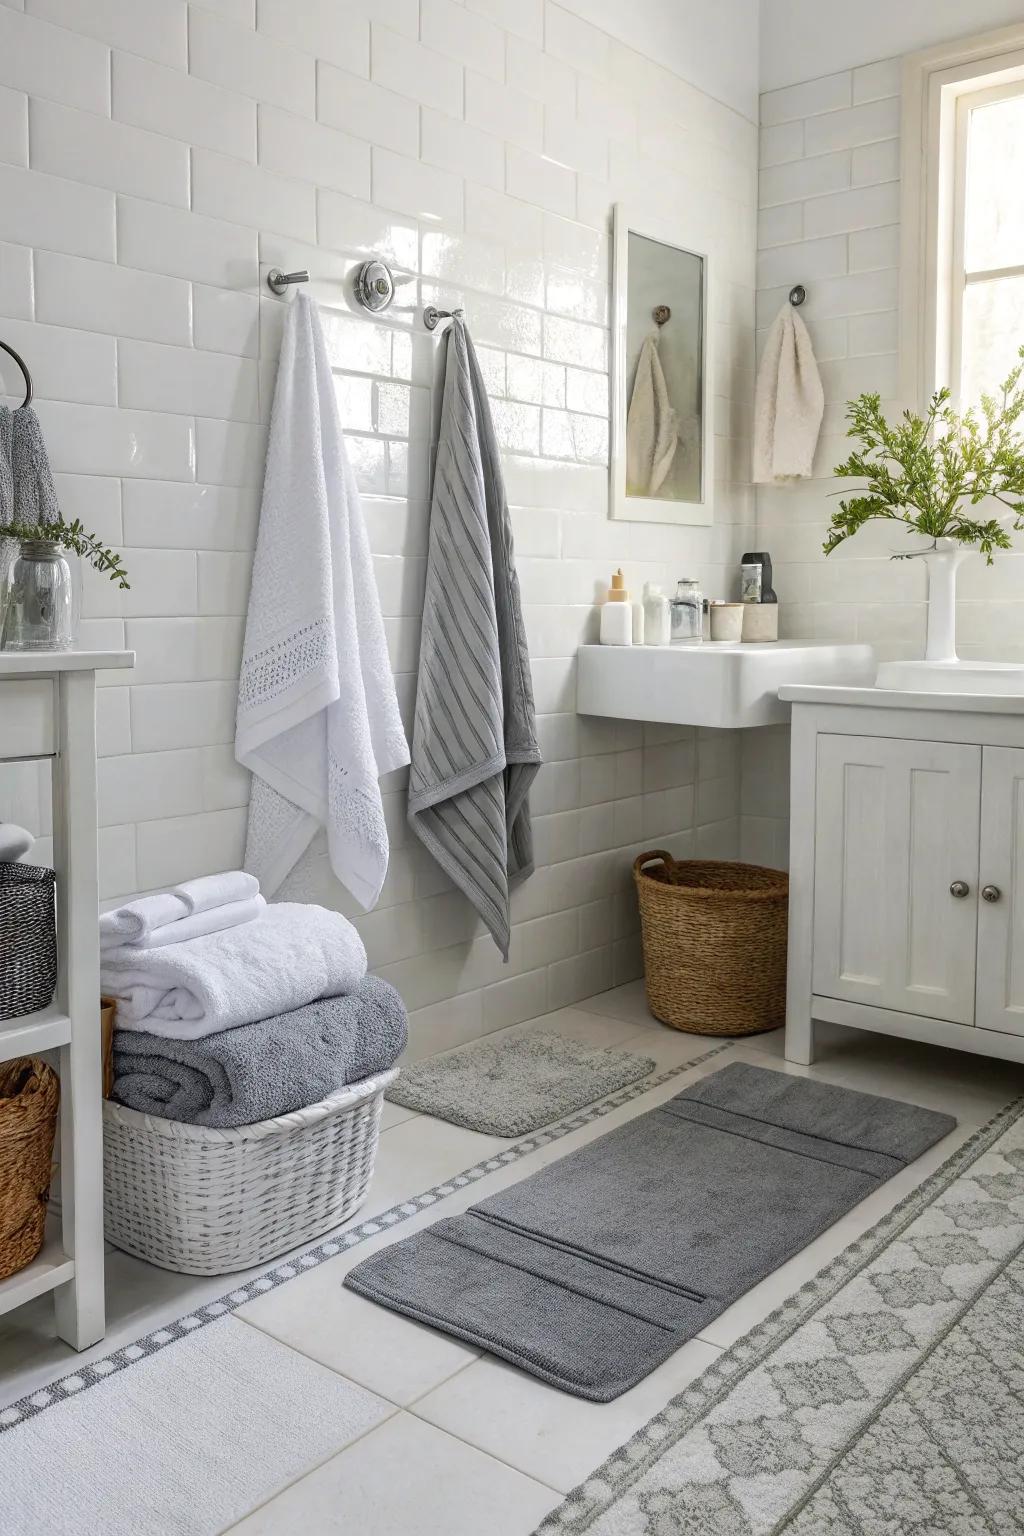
{"points": [[530, 1476]]}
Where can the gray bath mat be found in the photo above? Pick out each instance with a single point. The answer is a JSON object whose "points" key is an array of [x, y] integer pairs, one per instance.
{"points": [[513, 1086], [593, 1271]]}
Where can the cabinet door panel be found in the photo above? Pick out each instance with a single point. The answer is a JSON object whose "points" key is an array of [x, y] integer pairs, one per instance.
{"points": [[896, 824], [1001, 923]]}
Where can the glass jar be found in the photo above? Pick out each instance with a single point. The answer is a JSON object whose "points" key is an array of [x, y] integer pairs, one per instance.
{"points": [[688, 612], [39, 610]]}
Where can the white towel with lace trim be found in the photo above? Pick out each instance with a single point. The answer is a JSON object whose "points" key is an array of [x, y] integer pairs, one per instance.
{"points": [[318, 721]]}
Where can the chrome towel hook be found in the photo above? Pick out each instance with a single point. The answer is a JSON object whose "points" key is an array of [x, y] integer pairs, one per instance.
{"points": [[278, 281], [797, 295], [432, 316]]}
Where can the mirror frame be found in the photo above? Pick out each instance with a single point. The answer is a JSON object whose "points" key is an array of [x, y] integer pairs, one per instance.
{"points": [[650, 509]]}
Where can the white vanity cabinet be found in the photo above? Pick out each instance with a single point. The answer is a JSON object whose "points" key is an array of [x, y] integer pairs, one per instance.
{"points": [[907, 868]]}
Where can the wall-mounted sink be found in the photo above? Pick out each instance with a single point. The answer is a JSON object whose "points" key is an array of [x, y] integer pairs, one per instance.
{"points": [[711, 684], [985, 677]]}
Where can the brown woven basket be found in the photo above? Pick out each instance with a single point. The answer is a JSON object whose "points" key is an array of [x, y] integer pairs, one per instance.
{"points": [[29, 1094], [714, 937]]}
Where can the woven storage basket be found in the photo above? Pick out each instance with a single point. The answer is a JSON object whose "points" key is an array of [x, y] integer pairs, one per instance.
{"points": [[205, 1202], [29, 1095], [28, 939], [714, 939]]}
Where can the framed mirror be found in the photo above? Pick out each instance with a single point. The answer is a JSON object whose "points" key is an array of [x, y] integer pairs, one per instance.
{"points": [[662, 434]]}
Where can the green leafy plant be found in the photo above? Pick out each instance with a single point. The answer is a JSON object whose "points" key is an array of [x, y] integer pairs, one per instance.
{"points": [[930, 471], [74, 537]]}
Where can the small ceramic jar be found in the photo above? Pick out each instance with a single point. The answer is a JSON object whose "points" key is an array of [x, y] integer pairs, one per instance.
{"points": [[727, 621], [760, 621]]}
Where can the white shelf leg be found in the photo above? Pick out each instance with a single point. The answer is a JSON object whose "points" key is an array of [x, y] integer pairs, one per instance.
{"points": [[802, 786], [79, 1303]]}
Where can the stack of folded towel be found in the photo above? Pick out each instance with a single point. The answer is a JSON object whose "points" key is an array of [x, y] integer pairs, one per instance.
{"points": [[231, 1011]]}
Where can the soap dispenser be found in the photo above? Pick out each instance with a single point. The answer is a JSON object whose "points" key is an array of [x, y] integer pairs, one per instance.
{"points": [[616, 614]]}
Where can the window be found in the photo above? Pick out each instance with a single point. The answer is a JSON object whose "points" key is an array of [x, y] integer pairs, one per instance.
{"points": [[962, 296], [988, 288]]}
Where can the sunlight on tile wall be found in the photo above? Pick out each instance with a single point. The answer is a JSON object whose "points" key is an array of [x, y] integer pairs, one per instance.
{"points": [[159, 158]]}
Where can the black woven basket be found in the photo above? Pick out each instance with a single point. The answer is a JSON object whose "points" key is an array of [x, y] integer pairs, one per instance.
{"points": [[28, 939]]}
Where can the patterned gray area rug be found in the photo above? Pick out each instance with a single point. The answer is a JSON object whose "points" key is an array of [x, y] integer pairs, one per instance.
{"points": [[886, 1398], [514, 1086]]}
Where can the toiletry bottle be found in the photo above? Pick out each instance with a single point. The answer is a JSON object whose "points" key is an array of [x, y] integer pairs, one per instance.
{"points": [[638, 621], [688, 612], [616, 614], [657, 616]]}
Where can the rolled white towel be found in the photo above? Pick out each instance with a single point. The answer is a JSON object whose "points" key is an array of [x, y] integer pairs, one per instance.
{"points": [[15, 842], [131, 923], [194, 926], [209, 891], [290, 956]]}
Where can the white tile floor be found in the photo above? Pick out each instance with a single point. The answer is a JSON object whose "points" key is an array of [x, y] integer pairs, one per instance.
{"points": [[473, 1445]]}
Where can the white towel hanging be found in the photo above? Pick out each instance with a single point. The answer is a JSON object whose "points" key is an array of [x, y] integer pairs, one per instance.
{"points": [[318, 721], [789, 402]]}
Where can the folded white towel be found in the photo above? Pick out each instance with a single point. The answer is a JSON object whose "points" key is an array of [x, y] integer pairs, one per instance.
{"points": [[318, 720], [193, 926], [789, 402], [132, 922], [290, 956], [209, 891]]}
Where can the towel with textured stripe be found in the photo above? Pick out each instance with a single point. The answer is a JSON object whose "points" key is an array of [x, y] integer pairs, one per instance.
{"points": [[474, 748]]}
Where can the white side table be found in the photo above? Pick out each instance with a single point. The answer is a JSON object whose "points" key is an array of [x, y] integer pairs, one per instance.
{"points": [[48, 709]]}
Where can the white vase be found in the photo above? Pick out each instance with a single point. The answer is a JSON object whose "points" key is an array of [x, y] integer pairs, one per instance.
{"points": [[943, 563]]}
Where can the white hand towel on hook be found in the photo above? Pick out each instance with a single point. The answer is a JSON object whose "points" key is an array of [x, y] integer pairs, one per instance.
{"points": [[789, 402], [318, 720]]}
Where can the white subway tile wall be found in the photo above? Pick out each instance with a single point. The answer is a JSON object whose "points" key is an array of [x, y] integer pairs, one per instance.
{"points": [[156, 159]]}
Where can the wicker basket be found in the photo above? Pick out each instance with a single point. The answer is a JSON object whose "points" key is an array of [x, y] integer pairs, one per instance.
{"points": [[28, 939], [205, 1202], [29, 1095], [714, 938]]}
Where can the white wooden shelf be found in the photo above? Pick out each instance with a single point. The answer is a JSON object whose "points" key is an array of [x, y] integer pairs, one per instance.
{"points": [[34, 1032], [48, 710], [50, 1268]]}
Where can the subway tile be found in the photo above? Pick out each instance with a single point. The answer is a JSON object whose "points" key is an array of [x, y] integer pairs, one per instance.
{"points": [[536, 73], [101, 296], [181, 847], [229, 452], [576, 42], [504, 111], [507, 220], [567, 341], [873, 249], [424, 75], [812, 259], [873, 81], [347, 225], [537, 180], [174, 715], [781, 143], [84, 147], [574, 144], [162, 239], [163, 584], [800, 179], [225, 782], [16, 293], [242, 194], [53, 62], [462, 149], [568, 244], [224, 582], [94, 440], [223, 321], [158, 378], [55, 215], [113, 722], [857, 125], [13, 127], [367, 111], [171, 515], [178, 650], [146, 786], [874, 163], [861, 208], [66, 364], [95, 499], [248, 62], [463, 259], [464, 35], [153, 28], [781, 224], [416, 189], [524, 17], [294, 146], [182, 106], [829, 93], [340, 34]]}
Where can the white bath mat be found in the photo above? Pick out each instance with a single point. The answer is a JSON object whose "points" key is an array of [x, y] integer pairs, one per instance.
{"points": [[187, 1441]]}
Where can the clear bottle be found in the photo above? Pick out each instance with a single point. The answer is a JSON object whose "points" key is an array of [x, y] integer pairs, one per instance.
{"points": [[688, 612], [657, 615]]}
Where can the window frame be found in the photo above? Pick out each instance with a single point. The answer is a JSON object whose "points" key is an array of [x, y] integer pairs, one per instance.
{"points": [[939, 86]]}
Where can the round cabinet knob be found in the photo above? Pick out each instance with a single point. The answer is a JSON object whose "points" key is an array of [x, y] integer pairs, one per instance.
{"points": [[960, 888], [991, 892]]}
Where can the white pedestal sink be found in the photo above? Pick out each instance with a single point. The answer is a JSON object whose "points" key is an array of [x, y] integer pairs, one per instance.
{"points": [[982, 677], [716, 683]]}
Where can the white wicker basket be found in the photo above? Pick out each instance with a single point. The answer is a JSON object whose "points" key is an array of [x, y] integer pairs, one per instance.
{"points": [[205, 1202]]}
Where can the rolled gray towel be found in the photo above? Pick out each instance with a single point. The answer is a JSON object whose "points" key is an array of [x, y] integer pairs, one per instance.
{"points": [[256, 1071]]}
